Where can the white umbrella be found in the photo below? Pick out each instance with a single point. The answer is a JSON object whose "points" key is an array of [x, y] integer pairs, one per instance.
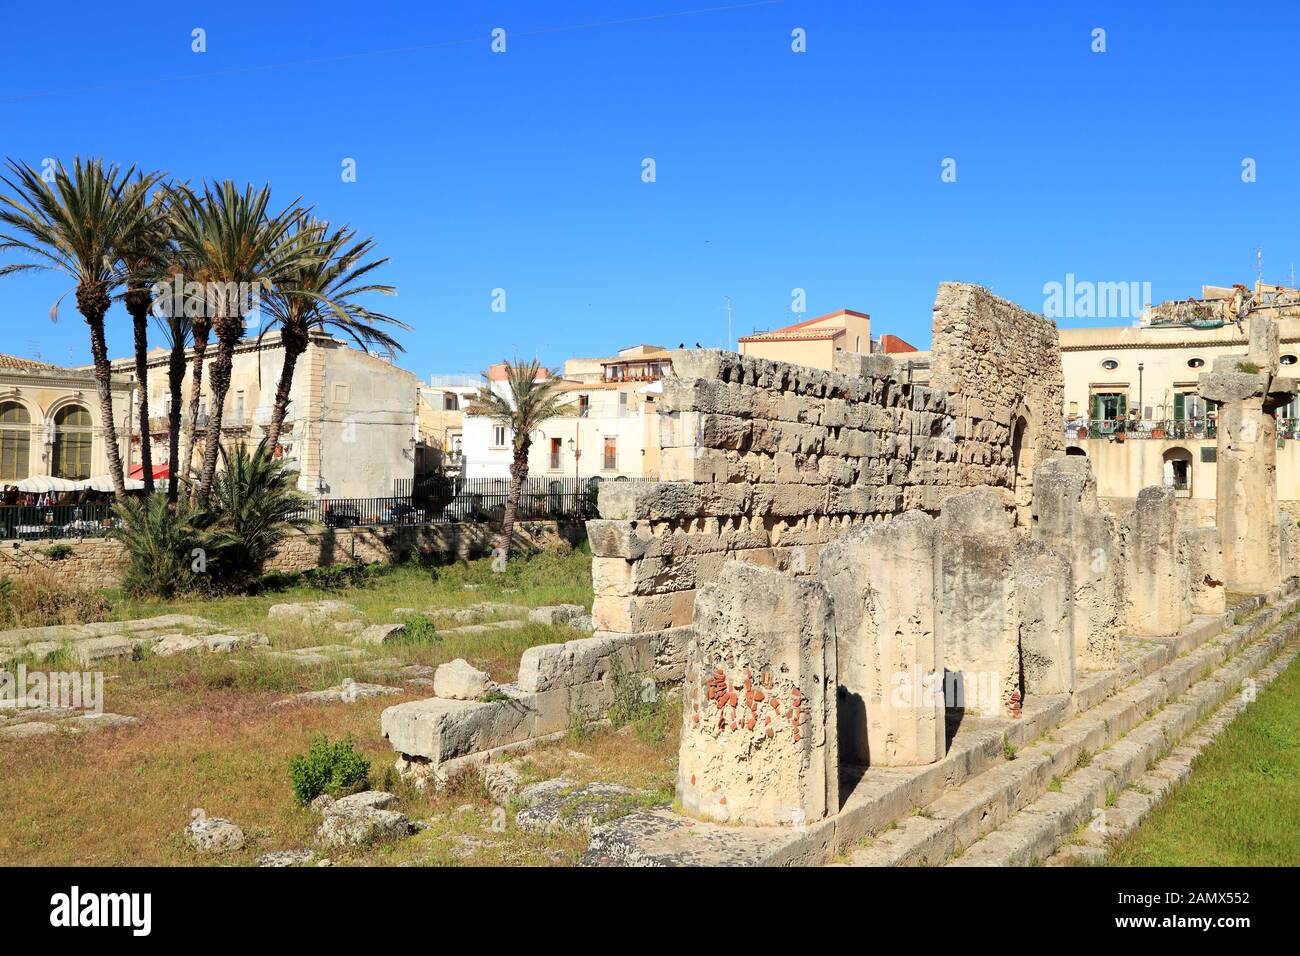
{"points": [[40, 484], [105, 483]]}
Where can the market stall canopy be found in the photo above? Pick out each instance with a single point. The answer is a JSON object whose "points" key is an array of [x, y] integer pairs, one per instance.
{"points": [[159, 471], [41, 484], [105, 483]]}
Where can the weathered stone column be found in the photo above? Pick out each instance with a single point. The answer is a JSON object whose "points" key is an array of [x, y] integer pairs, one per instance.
{"points": [[1204, 560], [1248, 391], [976, 626], [758, 742], [1042, 587], [1068, 518], [882, 580], [1157, 588]]}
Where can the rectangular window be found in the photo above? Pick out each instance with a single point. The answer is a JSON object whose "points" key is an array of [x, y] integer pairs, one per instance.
{"points": [[1109, 408], [611, 454], [72, 455], [584, 405], [555, 454], [498, 436], [622, 404], [239, 408], [15, 454], [342, 393]]}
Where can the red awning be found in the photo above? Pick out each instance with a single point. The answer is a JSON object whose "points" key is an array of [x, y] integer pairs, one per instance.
{"points": [[159, 471]]}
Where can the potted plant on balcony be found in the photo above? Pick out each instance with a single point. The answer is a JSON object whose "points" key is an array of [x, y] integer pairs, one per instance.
{"points": [[1158, 430]]}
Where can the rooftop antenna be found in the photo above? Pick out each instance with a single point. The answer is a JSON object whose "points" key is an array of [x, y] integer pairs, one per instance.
{"points": [[730, 347]]}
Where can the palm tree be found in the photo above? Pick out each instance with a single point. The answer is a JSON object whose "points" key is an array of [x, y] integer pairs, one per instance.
{"points": [[533, 400], [145, 258], [320, 294], [228, 235], [258, 501], [176, 329], [75, 225]]}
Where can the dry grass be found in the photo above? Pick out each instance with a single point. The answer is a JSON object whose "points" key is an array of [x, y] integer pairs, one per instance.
{"points": [[209, 737]]}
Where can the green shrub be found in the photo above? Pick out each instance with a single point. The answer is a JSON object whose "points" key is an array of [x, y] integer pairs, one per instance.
{"points": [[59, 552], [418, 629], [168, 546], [43, 599], [333, 768], [256, 501]]}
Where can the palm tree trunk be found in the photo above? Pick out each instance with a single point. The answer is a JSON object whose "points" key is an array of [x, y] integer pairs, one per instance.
{"points": [[221, 369], [291, 354], [518, 475], [92, 303], [201, 328], [176, 387], [137, 303]]}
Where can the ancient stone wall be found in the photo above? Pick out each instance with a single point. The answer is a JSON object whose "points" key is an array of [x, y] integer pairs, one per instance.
{"points": [[766, 462]]}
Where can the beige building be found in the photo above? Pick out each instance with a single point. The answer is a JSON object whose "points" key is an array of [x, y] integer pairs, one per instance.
{"points": [[613, 430], [1131, 392], [442, 418], [50, 421], [814, 342], [351, 428]]}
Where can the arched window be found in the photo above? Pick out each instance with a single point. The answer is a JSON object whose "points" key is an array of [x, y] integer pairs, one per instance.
{"points": [[15, 441], [72, 441]]}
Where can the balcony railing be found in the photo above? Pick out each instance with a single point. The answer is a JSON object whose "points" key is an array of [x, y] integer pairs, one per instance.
{"points": [[1120, 429]]}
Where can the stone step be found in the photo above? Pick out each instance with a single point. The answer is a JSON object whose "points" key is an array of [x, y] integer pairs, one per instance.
{"points": [[936, 831], [1121, 783]]}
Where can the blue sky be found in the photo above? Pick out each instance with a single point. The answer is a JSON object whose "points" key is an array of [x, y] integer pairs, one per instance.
{"points": [[775, 170]]}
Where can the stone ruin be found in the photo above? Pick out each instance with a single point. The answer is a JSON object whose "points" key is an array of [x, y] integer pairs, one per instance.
{"points": [[841, 566], [925, 550]]}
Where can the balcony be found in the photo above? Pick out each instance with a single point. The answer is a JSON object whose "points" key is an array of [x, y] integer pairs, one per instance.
{"points": [[1122, 429]]}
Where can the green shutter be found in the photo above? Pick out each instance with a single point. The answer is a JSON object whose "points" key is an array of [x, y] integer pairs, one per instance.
{"points": [[1180, 406]]}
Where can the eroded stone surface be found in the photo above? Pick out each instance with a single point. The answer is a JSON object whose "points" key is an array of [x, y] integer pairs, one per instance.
{"points": [[759, 742], [459, 680]]}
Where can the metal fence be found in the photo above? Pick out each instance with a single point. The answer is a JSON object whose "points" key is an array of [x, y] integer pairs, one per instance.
{"points": [[33, 522], [542, 499]]}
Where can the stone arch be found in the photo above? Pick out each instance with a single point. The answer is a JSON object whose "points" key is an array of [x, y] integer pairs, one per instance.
{"points": [[72, 427], [1176, 471], [1076, 450], [1024, 455]]}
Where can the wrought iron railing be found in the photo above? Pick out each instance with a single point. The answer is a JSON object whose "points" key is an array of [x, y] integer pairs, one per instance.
{"points": [[50, 522], [1120, 429]]}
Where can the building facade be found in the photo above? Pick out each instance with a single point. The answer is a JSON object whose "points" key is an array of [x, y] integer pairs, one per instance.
{"points": [[1131, 393], [351, 429], [814, 342], [610, 429], [50, 421]]}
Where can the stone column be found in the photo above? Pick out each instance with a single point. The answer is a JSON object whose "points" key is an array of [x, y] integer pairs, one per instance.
{"points": [[1248, 391], [1042, 586], [882, 580], [758, 742], [976, 626], [1068, 518], [1157, 588], [1204, 560]]}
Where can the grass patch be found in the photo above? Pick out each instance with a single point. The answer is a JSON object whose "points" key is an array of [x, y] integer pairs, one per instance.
{"points": [[1241, 805]]}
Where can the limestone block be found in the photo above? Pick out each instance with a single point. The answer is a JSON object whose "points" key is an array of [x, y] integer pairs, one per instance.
{"points": [[100, 648], [439, 730], [759, 743], [638, 613], [213, 834], [459, 680], [1203, 558], [380, 634], [1156, 585], [976, 623], [1043, 588], [1289, 531], [1067, 516], [882, 581]]}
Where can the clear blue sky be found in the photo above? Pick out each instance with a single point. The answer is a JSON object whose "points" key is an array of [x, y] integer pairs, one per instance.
{"points": [[775, 170]]}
